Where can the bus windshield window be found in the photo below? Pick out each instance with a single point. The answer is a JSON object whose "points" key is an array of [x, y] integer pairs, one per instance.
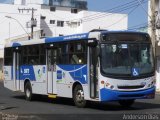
{"points": [[120, 59], [141, 57]]}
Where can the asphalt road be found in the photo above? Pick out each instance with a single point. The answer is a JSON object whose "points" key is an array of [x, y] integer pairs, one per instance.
{"points": [[14, 106]]}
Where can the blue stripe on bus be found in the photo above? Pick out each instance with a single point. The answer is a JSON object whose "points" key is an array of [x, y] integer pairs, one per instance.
{"points": [[110, 95], [67, 38], [77, 72]]}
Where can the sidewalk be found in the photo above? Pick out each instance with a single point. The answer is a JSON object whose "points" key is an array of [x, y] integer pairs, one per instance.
{"points": [[1, 76], [158, 92]]}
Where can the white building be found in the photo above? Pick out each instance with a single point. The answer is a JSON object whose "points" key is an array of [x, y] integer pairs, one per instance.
{"points": [[54, 18], [154, 7]]}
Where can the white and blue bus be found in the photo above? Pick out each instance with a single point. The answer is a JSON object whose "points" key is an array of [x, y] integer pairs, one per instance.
{"points": [[96, 66]]}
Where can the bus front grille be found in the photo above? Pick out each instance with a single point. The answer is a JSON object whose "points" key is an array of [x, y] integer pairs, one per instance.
{"points": [[131, 87]]}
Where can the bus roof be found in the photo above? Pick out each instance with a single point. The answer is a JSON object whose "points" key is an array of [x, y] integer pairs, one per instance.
{"points": [[64, 38], [67, 38], [49, 40]]}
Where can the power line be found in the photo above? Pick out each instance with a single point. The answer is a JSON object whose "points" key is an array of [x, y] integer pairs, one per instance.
{"points": [[119, 10], [142, 24], [122, 17], [143, 8], [114, 10], [119, 6]]}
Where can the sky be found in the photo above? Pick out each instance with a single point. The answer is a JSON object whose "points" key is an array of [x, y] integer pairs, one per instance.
{"points": [[138, 16]]}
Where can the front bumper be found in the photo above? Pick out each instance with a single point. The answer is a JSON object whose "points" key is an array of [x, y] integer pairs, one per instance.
{"points": [[113, 95]]}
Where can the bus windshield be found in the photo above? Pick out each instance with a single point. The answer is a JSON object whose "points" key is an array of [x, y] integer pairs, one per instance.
{"points": [[131, 59]]}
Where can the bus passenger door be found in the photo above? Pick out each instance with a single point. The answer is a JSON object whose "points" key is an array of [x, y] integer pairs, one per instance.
{"points": [[16, 64], [51, 64], [93, 73]]}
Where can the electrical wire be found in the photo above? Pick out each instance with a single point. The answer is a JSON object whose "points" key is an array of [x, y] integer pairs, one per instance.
{"points": [[122, 18], [113, 12], [144, 8]]}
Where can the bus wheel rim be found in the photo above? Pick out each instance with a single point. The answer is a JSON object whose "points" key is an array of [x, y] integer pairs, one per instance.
{"points": [[80, 96], [28, 93]]}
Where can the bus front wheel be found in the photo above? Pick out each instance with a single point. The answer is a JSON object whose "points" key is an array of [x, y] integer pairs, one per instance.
{"points": [[78, 96], [126, 103], [28, 91]]}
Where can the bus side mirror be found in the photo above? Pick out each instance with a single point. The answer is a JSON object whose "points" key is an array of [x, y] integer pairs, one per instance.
{"points": [[92, 43]]}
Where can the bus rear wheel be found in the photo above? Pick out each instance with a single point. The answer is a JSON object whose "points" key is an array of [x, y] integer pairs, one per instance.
{"points": [[28, 92], [78, 96], [126, 103]]}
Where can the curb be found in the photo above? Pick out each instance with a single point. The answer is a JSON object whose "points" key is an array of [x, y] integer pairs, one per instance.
{"points": [[158, 92]]}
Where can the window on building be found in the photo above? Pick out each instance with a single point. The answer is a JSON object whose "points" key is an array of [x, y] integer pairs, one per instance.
{"points": [[53, 9], [43, 17], [61, 35], [60, 23], [52, 21], [23, 2], [73, 10]]}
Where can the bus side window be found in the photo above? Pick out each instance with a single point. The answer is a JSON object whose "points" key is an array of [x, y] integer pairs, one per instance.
{"points": [[8, 56], [62, 56], [77, 54]]}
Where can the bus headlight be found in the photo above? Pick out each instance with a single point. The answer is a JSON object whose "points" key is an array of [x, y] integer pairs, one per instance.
{"points": [[109, 86], [152, 84]]}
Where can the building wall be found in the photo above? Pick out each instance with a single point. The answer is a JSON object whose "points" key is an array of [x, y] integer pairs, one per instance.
{"points": [[12, 27], [79, 22], [157, 39], [73, 22]]}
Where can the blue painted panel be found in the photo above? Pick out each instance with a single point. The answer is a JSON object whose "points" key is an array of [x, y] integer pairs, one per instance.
{"points": [[27, 72], [59, 74], [17, 74], [16, 44], [77, 72], [111, 95], [67, 38]]}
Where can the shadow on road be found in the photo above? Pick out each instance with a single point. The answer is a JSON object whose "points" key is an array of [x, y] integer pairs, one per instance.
{"points": [[8, 108], [109, 106]]}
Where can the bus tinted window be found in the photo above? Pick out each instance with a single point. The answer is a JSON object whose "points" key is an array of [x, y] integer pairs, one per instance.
{"points": [[42, 55], [77, 54], [33, 55], [125, 37], [8, 56], [72, 53]]}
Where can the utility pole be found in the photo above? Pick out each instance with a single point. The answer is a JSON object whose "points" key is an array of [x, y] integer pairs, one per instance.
{"points": [[153, 25], [33, 21]]}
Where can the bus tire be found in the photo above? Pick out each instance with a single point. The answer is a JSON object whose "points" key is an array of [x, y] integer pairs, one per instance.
{"points": [[126, 103], [28, 92], [78, 96]]}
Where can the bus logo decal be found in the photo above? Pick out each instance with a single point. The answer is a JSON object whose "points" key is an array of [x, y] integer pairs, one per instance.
{"points": [[135, 71]]}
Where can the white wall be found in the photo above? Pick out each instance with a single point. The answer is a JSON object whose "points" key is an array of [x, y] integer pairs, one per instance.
{"points": [[64, 14], [11, 28], [101, 20]]}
